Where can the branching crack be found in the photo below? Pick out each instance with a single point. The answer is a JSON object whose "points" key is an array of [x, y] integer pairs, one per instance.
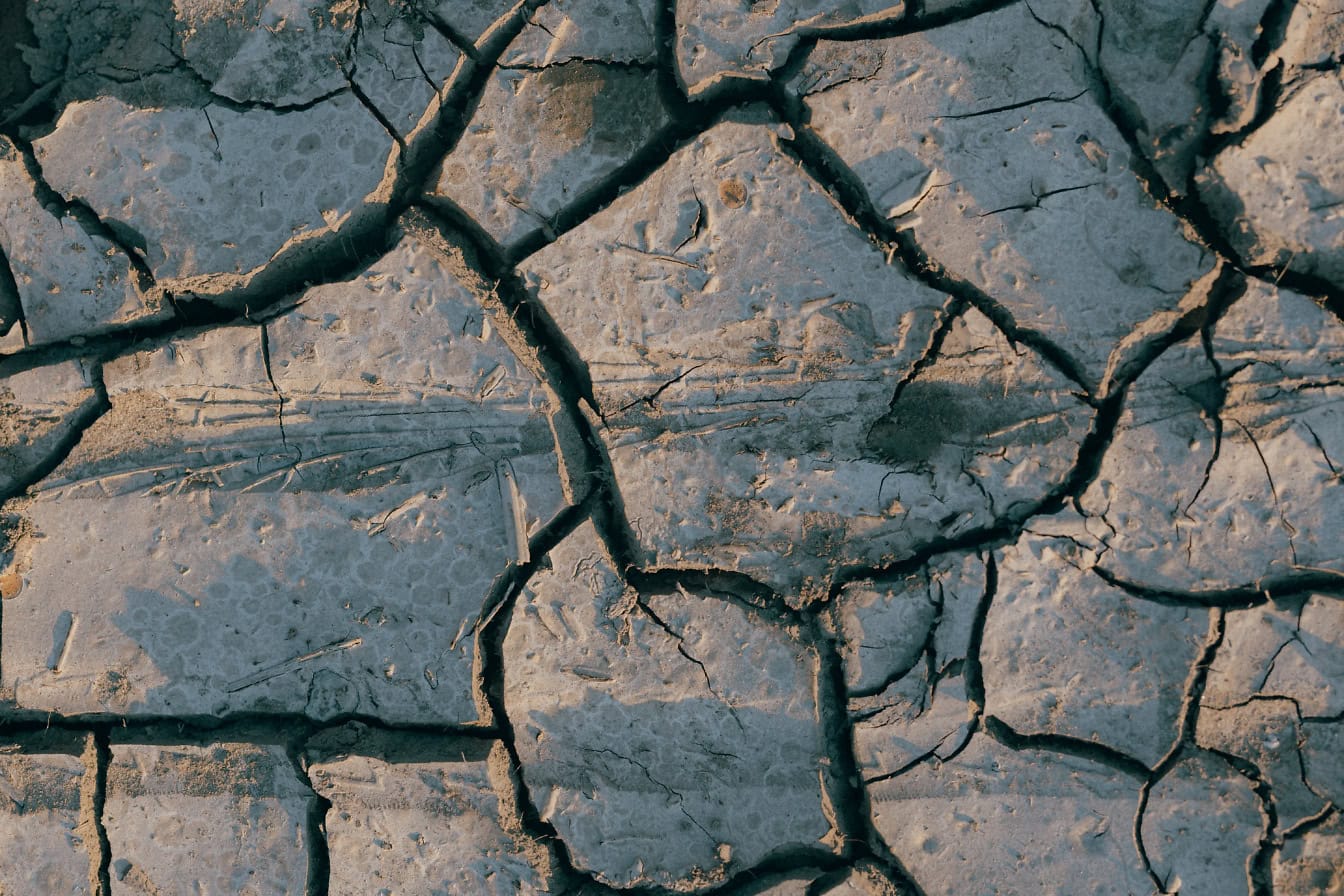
{"points": [[118, 234]]}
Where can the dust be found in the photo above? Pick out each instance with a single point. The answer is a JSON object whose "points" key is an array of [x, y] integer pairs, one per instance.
{"points": [[139, 420]]}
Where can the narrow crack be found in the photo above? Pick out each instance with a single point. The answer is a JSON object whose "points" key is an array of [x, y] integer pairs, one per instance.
{"points": [[80, 422], [915, 20], [430, 16], [372, 108], [319, 853], [628, 65], [1185, 742], [1304, 580], [1037, 199], [279, 395], [1273, 489], [103, 761], [951, 314], [652, 398], [1260, 870], [1308, 825], [824, 165], [116, 233], [643, 606], [846, 795], [467, 250], [1020, 104]]}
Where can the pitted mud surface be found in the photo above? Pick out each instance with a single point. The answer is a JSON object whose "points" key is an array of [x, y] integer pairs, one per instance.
{"points": [[672, 446]]}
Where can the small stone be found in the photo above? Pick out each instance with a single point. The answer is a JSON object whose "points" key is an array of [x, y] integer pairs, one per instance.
{"points": [[216, 190]]}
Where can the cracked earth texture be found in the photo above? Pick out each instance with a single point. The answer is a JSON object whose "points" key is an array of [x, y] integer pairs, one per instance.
{"points": [[672, 446]]}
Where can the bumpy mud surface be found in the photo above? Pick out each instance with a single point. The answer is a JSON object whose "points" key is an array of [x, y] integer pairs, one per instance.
{"points": [[640, 446]]}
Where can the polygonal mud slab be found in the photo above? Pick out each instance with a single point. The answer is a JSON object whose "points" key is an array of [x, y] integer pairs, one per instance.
{"points": [[542, 137], [1291, 647], [1176, 72], [671, 738], [80, 49], [399, 61], [981, 138], [1012, 823], [1201, 826], [1313, 37], [40, 410], [70, 282], [1268, 734], [884, 628], [224, 818], [216, 190], [1273, 697], [754, 359], [1066, 654], [907, 708], [1312, 862], [419, 827], [279, 53], [1225, 466], [1278, 193], [50, 844], [619, 31], [315, 514], [723, 40], [1323, 757]]}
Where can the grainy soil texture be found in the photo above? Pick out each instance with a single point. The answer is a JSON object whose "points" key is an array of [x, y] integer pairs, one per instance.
{"points": [[719, 447]]}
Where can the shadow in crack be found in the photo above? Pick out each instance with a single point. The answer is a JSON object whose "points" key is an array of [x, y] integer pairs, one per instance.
{"points": [[15, 32]]}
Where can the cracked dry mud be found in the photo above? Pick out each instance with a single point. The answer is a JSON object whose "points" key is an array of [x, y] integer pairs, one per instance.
{"points": [[672, 446]]}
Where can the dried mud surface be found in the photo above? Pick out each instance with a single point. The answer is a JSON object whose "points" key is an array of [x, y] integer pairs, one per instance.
{"points": [[887, 448]]}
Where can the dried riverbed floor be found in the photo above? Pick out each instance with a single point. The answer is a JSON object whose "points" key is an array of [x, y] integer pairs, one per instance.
{"points": [[672, 446]]}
